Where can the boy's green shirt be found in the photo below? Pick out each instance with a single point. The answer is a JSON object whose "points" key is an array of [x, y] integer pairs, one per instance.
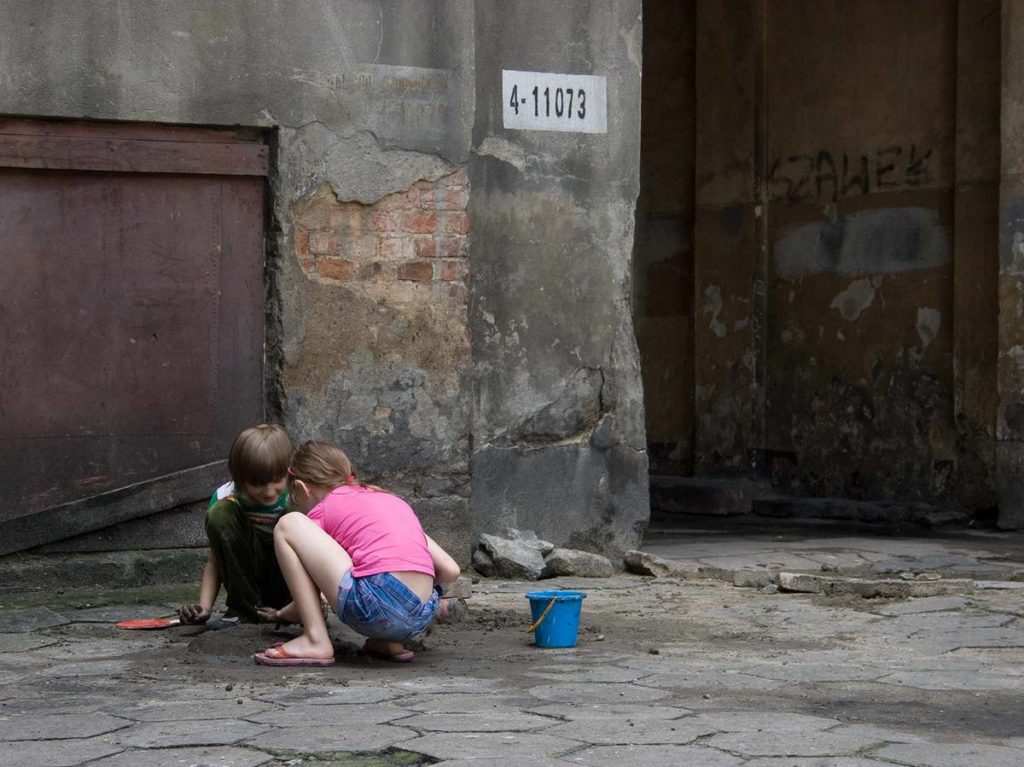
{"points": [[261, 517]]}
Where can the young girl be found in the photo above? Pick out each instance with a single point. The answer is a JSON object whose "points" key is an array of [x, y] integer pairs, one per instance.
{"points": [[358, 542]]}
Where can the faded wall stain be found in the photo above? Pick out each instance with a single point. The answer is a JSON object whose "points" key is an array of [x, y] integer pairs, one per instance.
{"points": [[884, 241]]}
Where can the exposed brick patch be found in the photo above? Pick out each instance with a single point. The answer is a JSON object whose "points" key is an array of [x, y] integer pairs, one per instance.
{"points": [[453, 270], [426, 247], [456, 223], [322, 244], [419, 222], [419, 235], [336, 268], [416, 271]]}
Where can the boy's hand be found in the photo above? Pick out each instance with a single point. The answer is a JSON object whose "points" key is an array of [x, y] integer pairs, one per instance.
{"points": [[268, 614], [193, 614]]}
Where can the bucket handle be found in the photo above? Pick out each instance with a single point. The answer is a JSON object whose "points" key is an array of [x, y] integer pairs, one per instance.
{"points": [[543, 615]]}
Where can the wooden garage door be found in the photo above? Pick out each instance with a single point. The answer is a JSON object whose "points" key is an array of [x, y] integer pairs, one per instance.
{"points": [[131, 319]]}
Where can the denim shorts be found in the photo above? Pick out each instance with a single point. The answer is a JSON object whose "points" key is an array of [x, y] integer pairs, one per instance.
{"points": [[382, 607]]}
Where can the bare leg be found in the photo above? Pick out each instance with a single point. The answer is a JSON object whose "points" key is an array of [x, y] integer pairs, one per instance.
{"points": [[312, 562]]}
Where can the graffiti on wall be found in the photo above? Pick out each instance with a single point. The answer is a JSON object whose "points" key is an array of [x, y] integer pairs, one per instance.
{"points": [[826, 176]]}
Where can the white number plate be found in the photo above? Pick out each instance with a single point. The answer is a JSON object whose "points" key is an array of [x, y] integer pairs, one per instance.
{"points": [[548, 101]]}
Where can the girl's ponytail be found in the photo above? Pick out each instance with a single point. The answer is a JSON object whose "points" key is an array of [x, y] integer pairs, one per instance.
{"points": [[322, 464]]}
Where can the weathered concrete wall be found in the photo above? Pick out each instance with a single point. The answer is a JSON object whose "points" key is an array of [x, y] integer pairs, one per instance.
{"points": [[370, 108], [370, 105], [558, 441], [663, 255]]}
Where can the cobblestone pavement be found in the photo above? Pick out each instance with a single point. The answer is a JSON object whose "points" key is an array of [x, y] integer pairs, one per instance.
{"points": [[675, 671]]}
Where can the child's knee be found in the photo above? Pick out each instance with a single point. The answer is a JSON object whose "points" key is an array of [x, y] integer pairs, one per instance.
{"points": [[288, 523]]}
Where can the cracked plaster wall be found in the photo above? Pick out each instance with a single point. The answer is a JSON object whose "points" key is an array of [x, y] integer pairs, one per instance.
{"points": [[461, 401]]}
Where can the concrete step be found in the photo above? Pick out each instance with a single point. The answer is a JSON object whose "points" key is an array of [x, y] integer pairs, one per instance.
{"points": [[721, 497], [115, 570], [710, 497]]}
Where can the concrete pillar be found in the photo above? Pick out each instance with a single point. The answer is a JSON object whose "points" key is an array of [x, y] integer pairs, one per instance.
{"points": [[1010, 410]]}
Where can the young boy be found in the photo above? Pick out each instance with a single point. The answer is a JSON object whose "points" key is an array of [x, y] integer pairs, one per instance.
{"points": [[240, 527]]}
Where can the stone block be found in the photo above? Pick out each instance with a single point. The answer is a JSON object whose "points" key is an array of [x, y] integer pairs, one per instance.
{"points": [[753, 579], [642, 563], [871, 589], [514, 560], [579, 563]]}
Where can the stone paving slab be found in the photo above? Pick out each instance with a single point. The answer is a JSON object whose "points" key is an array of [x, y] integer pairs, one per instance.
{"points": [[617, 756], [88, 649], [64, 725], [105, 668], [815, 761], [181, 710], [330, 740], [303, 715], [337, 695], [916, 605], [32, 619], [56, 753], [490, 745], [596, 713], [605, 693], [507, 761], [186, 757], [469, 703], [628, 732], [194, 732], [21, 642], [793, 743], [504, 721], [951, 755]]}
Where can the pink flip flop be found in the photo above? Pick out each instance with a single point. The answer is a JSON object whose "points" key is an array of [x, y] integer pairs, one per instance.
{"points": [[278, 656]]}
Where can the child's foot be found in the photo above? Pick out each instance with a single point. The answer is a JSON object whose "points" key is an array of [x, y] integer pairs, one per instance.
{"points": [[392, 651], [300, 648], [451, 610], [278, 656]]}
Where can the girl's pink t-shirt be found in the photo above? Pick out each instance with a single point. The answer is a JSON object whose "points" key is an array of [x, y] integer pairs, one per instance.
{"points": [[379, 531]]}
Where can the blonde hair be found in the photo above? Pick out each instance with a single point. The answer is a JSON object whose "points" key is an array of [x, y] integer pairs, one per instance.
{"points": [[259, 455], [320, 463]]}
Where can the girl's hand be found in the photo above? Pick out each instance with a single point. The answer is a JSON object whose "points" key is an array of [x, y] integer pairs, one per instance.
{"points": [[193, 614]]}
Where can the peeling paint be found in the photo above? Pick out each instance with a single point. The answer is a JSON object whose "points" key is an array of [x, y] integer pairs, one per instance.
{"points": [[713, 305], [928, 321], [852, 302], [504, 150]]}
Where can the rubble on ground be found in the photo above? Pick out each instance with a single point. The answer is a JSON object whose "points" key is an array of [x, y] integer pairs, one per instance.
{"points": [[521, 555]]}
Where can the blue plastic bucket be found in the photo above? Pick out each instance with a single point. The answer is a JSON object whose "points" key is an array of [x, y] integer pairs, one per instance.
{"points": [[556, 617]]}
